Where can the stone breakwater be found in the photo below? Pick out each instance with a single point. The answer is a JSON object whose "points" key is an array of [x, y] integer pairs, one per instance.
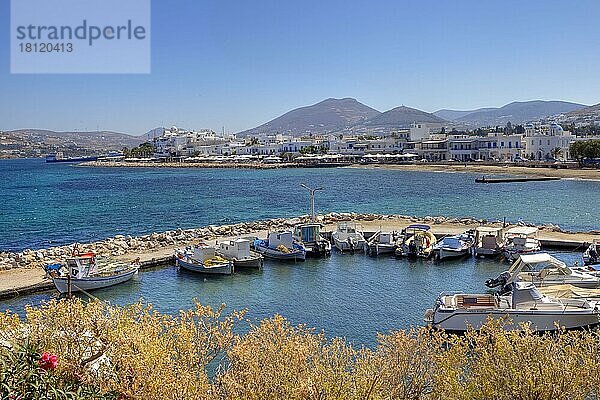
{"points": [[121, 245], [137, 164]]}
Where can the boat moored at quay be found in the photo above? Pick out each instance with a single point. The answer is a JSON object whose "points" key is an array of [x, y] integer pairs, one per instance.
{"points": [[202, 258], [238, 251], [348, 237], [309, 236], [85, 272], [524, 304], [280, 246]]}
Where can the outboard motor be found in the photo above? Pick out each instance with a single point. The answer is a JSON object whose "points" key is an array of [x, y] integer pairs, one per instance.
{"points": [[501, 280]]}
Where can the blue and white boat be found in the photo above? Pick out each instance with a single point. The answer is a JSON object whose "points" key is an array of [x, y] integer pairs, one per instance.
{"points": [[280, 246], [309, 235], [203, 258], [454, 246]]}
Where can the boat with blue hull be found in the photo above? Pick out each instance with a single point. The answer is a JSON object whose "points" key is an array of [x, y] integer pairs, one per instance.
{"points": [[202, 258], [280, 246]]}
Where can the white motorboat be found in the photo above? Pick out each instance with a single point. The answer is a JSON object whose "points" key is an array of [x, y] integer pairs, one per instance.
{"points": [[489, 241], [523, 305], [417, 241], [239, 252], [280, 246], [592, 254], [203, 258], [381, 243], [454, 246], [348, 237], [520, 240], [86, 272], [309, 235], [542, 269]]}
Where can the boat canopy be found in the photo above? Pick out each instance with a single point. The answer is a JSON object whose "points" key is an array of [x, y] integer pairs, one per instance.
{"points": [[538, 262], [488, 229], [452, 242], [419, 226], [525, 292], [522, 230], [569, 292]]}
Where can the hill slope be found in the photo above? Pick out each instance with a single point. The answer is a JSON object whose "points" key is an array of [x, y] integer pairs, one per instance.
{"points": [[399, 117], [518, 112], [326, 116]]}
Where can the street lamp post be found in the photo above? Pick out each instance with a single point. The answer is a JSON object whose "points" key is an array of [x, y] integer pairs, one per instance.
{"points": [[312, 199]]}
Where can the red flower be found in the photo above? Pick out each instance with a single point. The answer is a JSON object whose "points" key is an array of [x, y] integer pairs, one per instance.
{"points": [[48, 361]]}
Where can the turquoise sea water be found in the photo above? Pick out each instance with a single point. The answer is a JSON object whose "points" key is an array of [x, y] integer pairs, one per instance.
{"points": [[43, 205], [346, 295]]}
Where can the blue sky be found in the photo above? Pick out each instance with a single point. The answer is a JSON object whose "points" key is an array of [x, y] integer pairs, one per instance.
{"points": [[237, 64]]}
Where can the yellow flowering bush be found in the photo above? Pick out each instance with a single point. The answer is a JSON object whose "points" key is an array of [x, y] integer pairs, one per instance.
{"points": [[135, 352]]}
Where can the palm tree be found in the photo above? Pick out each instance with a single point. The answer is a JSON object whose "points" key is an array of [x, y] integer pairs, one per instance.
{"points": [[556, 153]]}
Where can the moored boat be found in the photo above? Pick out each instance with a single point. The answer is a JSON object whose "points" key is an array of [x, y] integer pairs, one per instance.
{"points": [[523, 305], [348, 237], [454, 246], [309, 235], [418, 241], [203, 258], [542, 269], [520, 240], [280, 246], [489, 241], [239, 252], [591, 255], [381, 243], [84, 272]]}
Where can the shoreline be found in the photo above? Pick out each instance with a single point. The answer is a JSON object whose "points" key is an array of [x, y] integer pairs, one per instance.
{"points": [[137, 164], [22, 273], [563, 173], [540, 171]]}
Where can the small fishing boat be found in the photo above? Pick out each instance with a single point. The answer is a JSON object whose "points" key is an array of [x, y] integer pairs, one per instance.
{"points": [[542, 269], [418, 241], [239, 252], [520, 240], [592, 254], [381, 243], [348, 237], [309, 235], [203, 258], [524, 304], [85, 272], [280, 246], [454, 246], [489, 241]]}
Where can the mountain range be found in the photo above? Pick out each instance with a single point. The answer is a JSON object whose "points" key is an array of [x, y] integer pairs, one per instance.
{"points": [[350, 115], [36, 142], [516, 112], [330, 115]]}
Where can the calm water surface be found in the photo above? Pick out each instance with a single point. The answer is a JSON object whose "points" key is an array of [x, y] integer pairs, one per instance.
{"points": [[346, 295]]}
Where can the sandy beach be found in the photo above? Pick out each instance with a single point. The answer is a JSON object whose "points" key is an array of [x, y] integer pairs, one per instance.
{"points": [[588, 174], [540, 171]]}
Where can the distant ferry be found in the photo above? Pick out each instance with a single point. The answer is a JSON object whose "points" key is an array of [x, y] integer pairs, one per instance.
{"points": [[58, 157]]}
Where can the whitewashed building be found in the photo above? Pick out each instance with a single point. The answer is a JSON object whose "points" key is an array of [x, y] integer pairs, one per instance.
{"points": [[547, 141]]}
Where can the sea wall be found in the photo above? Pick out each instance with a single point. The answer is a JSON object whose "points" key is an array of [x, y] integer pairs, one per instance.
{"points": [[121, 245], [172, 164]]}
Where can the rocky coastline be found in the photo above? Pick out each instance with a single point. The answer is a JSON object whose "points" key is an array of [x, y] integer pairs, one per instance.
{"points": [[121, 245]]}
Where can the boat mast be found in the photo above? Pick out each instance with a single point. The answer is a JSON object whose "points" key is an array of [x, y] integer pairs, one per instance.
{"points": [[312, 199]]}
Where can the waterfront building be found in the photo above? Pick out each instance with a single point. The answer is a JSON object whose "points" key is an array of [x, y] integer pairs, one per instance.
{"points": [[547, 141]]}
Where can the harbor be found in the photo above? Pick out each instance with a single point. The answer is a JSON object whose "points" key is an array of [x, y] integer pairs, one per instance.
{"points": [[377, 275]]}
